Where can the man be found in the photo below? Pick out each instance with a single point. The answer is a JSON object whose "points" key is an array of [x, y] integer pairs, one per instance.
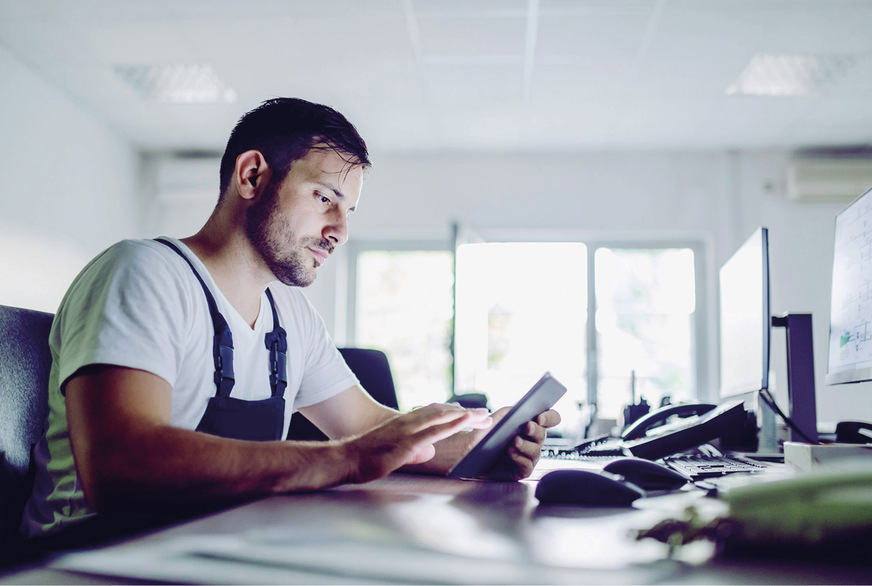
{"points": [[177, 363]]}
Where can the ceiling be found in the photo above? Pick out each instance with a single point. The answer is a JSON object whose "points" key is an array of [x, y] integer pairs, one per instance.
{"points": [[436, 75]]}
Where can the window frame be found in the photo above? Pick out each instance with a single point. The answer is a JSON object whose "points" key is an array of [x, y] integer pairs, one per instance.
{"points": [[356, 247], [700, 313], [701, 281]]}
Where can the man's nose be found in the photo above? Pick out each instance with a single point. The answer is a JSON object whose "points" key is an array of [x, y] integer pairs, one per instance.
{"points": [[337, 230]]}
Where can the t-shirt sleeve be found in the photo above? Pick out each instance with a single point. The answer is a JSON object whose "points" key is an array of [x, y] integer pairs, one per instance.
{"points": [[325, 373], [127, 308]]}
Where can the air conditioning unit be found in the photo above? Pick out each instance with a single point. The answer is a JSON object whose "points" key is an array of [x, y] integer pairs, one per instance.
{"points": [[830, 180]]}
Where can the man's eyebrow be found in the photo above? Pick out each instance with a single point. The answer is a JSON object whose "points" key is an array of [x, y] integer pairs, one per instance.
{"points": [[335, 191]]}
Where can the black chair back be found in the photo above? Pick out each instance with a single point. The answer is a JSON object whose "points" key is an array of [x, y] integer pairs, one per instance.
{"points": [[25, 363], [373, 370]]}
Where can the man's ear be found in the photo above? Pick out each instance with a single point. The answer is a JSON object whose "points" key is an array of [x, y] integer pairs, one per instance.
{"points": [[251, 174]]}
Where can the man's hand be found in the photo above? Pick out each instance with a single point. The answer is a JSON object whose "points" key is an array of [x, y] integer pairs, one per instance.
{"points": [[524, 451], [407, 440]]}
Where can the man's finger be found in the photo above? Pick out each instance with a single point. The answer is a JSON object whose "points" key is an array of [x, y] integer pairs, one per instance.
{"points": [[527, 449], [437, 414], [534, 432], [548, 419], [440, 431], [523, 461]]}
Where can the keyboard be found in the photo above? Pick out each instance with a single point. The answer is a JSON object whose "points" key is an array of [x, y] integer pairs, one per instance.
{"points": [[596, 448], [701, 466], [703, 462]]}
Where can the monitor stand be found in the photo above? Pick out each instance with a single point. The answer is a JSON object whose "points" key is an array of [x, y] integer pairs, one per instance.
{"points": [[767, 435], [800, 374]]}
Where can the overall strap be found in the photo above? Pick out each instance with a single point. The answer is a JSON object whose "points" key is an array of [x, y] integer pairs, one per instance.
{"points": [[277, 343], [222, 341]]}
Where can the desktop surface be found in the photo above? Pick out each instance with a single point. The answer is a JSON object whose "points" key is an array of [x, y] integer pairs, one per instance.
{"points": [[416, 529]]}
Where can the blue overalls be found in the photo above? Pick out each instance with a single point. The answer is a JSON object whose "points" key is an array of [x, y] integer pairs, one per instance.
{"points": [[226, 416]]}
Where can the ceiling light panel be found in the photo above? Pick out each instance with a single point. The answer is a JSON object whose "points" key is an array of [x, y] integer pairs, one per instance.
{"points": [[176, 84], [790, 75]]}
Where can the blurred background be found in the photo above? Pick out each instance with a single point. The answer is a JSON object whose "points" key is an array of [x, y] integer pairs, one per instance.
{"points": [[555, 185]]}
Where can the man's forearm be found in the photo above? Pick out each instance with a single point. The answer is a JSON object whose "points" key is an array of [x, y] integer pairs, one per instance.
{"points": [[176, 466], [127, 453]]}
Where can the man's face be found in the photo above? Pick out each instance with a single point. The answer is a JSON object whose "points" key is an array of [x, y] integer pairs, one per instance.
{"points": [[296, 223]]}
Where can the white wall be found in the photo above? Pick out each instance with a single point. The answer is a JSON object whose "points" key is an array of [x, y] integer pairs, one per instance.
{"points": [[69, 188]]}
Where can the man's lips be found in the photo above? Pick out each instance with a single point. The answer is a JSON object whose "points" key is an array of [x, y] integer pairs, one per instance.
{"points": [[320, 254]]}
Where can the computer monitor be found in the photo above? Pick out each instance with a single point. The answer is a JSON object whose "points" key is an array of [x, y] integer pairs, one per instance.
{"points": [[745, 318], [850, 344]]}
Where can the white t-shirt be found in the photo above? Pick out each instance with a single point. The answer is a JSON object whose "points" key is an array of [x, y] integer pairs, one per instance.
{"points": [[139, 305]]}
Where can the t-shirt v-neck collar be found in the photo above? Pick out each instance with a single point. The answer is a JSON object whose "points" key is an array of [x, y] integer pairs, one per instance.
{"points": [[234, 319]]}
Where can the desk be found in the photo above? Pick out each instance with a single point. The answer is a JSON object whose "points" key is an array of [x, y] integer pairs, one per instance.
{"points": [[416, 529]]}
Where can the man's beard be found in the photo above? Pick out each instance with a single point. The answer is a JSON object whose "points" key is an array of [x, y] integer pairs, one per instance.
{"points": [[270, 234]]}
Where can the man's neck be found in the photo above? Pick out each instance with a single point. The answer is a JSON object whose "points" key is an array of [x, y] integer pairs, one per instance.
{"points": [[235, 268]]}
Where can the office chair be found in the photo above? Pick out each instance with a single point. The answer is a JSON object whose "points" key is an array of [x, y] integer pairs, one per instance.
{"points": [[373, 370], [25, 362]]}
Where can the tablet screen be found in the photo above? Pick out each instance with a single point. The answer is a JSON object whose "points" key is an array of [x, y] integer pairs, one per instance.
{"points": [[484, 455]]}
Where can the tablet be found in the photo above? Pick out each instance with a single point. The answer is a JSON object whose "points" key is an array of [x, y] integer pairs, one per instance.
{"points": [[484, 455]]}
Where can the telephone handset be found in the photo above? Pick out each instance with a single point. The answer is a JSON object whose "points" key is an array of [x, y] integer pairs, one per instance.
{"points": [[663, 416], [688, 432], [667, 431]]}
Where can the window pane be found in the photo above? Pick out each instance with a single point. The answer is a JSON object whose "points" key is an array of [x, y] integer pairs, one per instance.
{"points": [[645, 324], [522, 310], [404, 308]]}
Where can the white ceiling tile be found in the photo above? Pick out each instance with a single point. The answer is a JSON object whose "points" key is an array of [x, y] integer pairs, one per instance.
{"points": [[464, 8], [431, 74], [647, 121], [475, 85], [596, 37], [857, 82], [142, 43], [561, 85], [471, 36], [597, 7], [753, 120], [844, 120], [481, 129]]}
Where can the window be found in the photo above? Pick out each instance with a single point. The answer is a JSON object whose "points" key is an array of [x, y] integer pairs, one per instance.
{"points": [[525, 307], [521, 310], [646, 307], [403, 306]]}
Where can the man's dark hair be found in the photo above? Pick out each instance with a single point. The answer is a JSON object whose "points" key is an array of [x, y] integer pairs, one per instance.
{"points": [[285, 130]]}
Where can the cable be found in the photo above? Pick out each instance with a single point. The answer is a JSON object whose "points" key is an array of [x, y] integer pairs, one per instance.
{"points": [[769, 400]]}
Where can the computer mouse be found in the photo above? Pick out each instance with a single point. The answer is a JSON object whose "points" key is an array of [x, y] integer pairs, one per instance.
{"points": [[586, 487], [647, 474]]}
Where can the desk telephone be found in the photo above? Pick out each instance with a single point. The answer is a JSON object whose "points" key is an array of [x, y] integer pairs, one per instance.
{"points": [[664, 416], [666, 431]]}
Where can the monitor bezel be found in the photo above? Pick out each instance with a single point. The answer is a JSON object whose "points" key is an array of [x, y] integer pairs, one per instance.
{"points": [[852, 375], [760, 234]]}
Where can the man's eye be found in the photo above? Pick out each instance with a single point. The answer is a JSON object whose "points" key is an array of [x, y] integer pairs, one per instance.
{"points": [[324, 199]]}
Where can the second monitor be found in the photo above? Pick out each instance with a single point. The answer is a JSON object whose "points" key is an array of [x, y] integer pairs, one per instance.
{"points": [[745, 335]]}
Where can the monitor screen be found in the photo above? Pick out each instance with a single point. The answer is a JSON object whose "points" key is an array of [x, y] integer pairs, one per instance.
{"points": [[745, 317], [850, 345]]}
